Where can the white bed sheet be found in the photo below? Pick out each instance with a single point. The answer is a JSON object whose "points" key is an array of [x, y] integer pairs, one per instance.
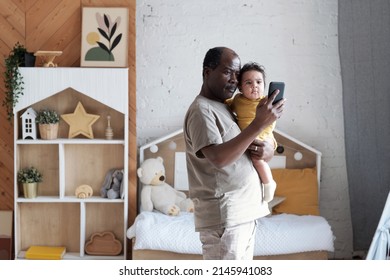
{"points": [[277, 234]]}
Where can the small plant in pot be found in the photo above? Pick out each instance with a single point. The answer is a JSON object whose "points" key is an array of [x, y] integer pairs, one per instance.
{"points": [[48, 121], [29, 178]]}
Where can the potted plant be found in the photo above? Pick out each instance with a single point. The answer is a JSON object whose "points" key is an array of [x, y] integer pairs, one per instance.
{"points": [[29, 178], [13, 79], [48, 121]]}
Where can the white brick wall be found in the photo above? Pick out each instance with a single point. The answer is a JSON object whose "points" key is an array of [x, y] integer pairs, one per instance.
{"points": [[296, 41]]}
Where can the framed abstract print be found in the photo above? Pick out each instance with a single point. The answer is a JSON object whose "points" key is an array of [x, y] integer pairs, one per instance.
{"points": [[104, 37]]}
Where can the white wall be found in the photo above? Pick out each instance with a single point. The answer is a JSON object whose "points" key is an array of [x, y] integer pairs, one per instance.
{"points": [[296, 41]]}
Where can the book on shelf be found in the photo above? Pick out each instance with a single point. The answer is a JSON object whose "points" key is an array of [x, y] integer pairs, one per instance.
{"points": [[45, 253]]}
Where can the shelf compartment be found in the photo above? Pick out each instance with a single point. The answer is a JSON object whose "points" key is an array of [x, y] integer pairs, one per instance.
{"points": [[90, 166], [45, 159], [49, 224], [65, 102], [103, 217]]}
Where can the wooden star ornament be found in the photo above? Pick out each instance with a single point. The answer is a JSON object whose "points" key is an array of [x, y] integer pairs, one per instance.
{"points": [[80, 122]]}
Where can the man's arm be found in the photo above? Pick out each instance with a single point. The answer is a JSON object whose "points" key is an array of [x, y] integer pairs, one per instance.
{"points": [[226, 153]]}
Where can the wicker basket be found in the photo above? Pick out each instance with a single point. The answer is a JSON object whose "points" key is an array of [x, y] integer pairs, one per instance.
{"points": [[48, 131]]}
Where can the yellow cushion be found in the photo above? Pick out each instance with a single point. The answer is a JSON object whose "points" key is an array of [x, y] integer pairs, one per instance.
{"points": [[300, 188]]}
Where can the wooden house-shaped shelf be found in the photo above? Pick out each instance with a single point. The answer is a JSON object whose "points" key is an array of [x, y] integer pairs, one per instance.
{"points": [[57, 217]]}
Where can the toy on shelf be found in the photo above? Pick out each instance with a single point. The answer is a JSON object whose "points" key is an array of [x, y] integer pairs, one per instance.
{"points": [[29, 130], [48, 57], [113, 184], [103, 243], [80, 122], [83, 191], [109, 131]]}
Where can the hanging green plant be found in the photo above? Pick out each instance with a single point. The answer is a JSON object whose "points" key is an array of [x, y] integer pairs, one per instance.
{"points": [[13, 79]]}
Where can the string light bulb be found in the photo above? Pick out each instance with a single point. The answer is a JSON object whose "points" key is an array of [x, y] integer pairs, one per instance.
{"points": [[298, 155], [153, 149], [172, 145]]}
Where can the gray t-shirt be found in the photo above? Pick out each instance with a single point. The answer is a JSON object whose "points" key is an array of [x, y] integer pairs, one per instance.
{"points": [[227, 196]]}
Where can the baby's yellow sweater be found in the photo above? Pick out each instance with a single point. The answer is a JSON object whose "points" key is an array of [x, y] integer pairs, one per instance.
{"points": [[245, 111]]}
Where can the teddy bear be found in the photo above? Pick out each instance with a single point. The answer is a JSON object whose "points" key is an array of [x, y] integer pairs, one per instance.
{"points": [[157, 194]]}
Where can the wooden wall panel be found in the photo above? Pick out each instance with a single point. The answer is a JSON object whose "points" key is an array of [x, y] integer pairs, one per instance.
{"points": [[12, 26], [12, 21], [56, 25], [133, 154]]}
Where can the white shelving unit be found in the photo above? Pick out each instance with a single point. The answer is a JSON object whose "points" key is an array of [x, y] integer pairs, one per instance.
{"points": [[57, 217]]}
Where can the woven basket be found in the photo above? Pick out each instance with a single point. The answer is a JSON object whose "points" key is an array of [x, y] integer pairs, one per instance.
{"points": [[48, 131]]}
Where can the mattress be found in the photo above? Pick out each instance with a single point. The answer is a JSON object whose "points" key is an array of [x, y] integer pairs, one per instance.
{"points": [[275, 235]]}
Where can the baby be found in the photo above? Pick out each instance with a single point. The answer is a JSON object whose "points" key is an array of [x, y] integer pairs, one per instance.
{"points": [[251, 84]]}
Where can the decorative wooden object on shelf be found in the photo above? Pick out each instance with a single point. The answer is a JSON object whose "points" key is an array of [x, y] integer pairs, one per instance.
{"points": [[83, 191], [103, 243], [80, 122], [28, 124], [48, 57], [109, 132]]}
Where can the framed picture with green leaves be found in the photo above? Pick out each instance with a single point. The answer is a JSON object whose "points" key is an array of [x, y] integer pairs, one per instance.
{"points": [[104, 37]]}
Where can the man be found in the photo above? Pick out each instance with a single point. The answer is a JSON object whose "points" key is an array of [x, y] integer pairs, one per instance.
{"points": [[224, 185]]}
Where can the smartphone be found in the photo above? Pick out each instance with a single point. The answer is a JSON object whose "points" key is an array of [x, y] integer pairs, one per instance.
{"points": [[274, 86]]}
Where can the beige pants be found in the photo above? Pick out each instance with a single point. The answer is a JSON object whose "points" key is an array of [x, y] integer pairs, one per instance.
{"points": [[233, 243]]}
